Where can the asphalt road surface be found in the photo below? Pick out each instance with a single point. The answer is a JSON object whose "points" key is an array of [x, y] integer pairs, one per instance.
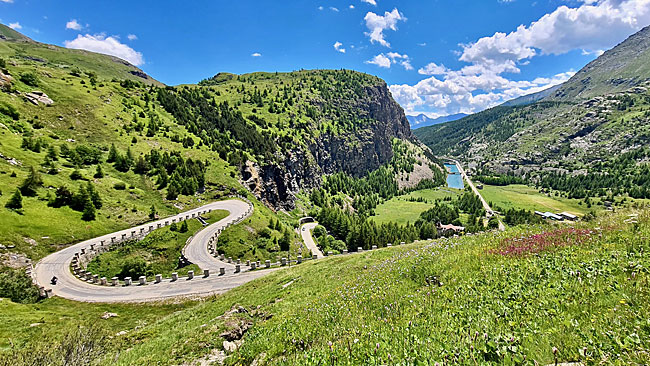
{"points": [[70, 287]]}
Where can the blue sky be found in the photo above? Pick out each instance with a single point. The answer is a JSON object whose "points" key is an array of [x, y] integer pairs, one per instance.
{"points": [[439, 57]]}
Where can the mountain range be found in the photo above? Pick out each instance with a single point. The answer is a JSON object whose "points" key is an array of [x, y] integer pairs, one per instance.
{"points": [[422, 120], [597, 114]]}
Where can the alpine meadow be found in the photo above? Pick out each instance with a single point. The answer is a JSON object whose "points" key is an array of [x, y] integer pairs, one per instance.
{"points": [[342, 183]]}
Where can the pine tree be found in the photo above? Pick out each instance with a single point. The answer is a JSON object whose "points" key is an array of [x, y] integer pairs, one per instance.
{"points": [[152, 212], [183, 228], [285, 242], [52, 154], [99, 173], [112, 154], [33, 181], [93, 195], [89, 211], [16, 201]]}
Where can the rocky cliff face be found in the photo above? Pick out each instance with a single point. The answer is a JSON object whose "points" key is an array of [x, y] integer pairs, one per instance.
{"points": [[355, 153]]}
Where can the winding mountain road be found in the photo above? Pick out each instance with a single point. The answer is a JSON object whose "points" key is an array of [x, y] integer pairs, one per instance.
{"points": [[308, 239], [70, 287]]}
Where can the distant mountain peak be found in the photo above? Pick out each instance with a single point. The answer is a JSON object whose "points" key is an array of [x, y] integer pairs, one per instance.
{"points": [[422, 120]]}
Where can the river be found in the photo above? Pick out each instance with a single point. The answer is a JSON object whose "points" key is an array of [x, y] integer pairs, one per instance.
{"points": [[454, 179]]}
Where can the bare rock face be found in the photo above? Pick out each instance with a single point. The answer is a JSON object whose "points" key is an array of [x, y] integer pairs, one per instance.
{"points": [[355, 153], [5, 81]]}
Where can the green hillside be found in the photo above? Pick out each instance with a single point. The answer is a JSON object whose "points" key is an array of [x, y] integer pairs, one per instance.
{"points": [[588, 138], [508, 298], [109, 147]]}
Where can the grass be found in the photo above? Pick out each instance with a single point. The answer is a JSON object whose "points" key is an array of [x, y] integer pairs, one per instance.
{"points": [[400, 210], [524, 197], [452, 301], [248, 240], [159, 251], [22, 324]]}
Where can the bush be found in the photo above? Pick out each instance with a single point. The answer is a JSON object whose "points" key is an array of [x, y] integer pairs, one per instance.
{"points": [[29, 78], [120, 186], [134, 268], [183, 228], [10, 110], [76, 175], [17, 286]]}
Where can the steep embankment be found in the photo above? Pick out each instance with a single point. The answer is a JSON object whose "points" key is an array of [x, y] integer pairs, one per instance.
{"points": [[308, 123]]}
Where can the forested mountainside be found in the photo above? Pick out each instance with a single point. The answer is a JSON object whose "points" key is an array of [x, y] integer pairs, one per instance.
{"points": [[576, 133], [91, 144]]}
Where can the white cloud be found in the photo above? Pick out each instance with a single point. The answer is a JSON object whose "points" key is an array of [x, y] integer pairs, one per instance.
{"points": [[320, 8], [132, 37], [334, 9], [338, 47], [351, 6], [391, 58], [380, 60], [15, 25], [256, 54], [73, 24], [468, 90], [433, 69], [106, 45], [7, 1], [377, 24], [371, 2], [593, 26]]}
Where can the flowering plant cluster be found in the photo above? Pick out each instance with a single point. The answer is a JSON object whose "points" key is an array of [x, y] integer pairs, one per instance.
{"points": [[536, 243]]}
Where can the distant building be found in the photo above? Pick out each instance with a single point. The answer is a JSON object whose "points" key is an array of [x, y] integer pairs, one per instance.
{"points": [[450, 227], [549, 215], [568, 216]]}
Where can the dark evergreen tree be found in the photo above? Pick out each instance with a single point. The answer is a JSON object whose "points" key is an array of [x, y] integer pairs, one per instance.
{"points": [[16, 201], [31, 184]]}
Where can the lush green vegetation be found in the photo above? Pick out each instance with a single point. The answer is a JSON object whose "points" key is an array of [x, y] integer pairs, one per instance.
{"points": [[157, 253], [530, 295]]}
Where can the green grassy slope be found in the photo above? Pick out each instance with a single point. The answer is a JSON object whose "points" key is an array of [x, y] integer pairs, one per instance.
{"points": [[467, 300]]}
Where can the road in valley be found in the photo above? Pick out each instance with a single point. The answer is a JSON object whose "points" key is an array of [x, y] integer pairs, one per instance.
{"points": [[489, 212]]}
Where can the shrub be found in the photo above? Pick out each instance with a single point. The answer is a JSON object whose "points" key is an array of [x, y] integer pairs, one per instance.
{"points": [[29, 78], [10, 110], [120, 186], [17, 286]]}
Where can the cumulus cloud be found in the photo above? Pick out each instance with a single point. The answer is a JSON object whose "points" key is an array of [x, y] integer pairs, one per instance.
{"points": [[256, 54], [380, 60], [15, 25], [377, 24], [391, 58], [106, 45], [351, 6], [132, 37], [592, 26], [371, 2], [334, 9], [339, 47], [7, 1], [433, 69], [73, 24]]}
